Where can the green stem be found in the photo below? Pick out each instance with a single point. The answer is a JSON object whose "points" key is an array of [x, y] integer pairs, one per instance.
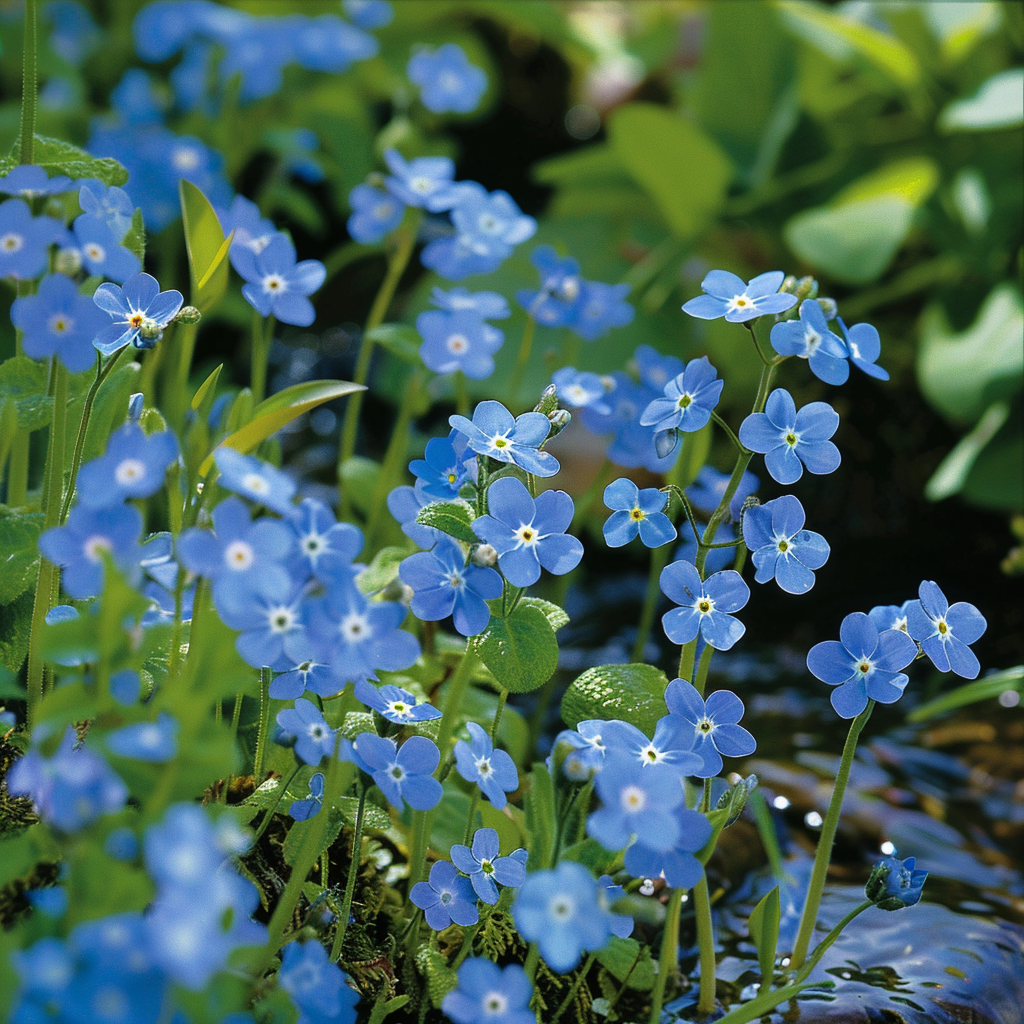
{"points": [[659, 559], [702, 668], [461, 394], [502, 699], [17, 469], [176, 400], [350, 882], [269, 813], [29, 85], [532, 960], [102, 373], [826, 943], [525, 346], [262, 336], [457, 686], [474, 801], [418, 854], [266, 677], [706, 946], [405, 242], [757, 344], [574, 988], [669, 955], [766, 829], [740, 446], [823, 854]]}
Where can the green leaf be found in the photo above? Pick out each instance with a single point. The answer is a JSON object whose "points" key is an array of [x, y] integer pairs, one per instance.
{"points": [[914, 179], [450, 517], [674, 161], [627, 961], [996, 479], [135, 240], [57, 157], [207, 247], [15, 626], [590, 853], [279, 410], [555, 615], [19, 532], [541, 819], [999, 103], [962, 374], [400, 340], [359, 477], [10, 688], [521, 650], [764, 933], [109, 411], [633, 693], [971, 693], [23, 381], [382, 570], [202, 400], [952, 473]]}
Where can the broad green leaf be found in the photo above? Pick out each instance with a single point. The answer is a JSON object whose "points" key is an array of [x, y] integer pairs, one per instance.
{"points": [[15, 626], [207, 247], [202, 400], [57, 157], [450, 517], [999, 103], [382, 570], [914, 179], [590, 853], [630, 962], [8, 428], [109, 411], [19, 557], [959, 26], [633, 693], [400, 340], [764, 933], [135, 240], [852, 243], [10, 688], [23, 382], [521, 650], [597, 164], [674, 161], [275, 412], [951, 474], [555, 615], [970, 693], [541, 817], [962, 374], [996, 479]]}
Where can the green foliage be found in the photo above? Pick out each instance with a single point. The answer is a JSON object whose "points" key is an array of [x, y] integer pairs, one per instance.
{"points": [[58, 157], [764, 933], [206, 246], [521, 650], [23, 382], [631, 693], [19, 531], [541, 817], [450, 517], [629, 962], [400, 340]]}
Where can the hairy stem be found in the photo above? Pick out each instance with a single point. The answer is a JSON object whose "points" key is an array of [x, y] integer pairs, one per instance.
{"points": [[669, 955], [350, 881]]}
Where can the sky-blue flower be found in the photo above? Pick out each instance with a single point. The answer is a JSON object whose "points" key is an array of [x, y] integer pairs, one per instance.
{"points": [[32, 181], [443, 584], [25, 240], [327, 549], [809, 338], [679, 866], [707, 489], [318, 986], [636, 512], [528, 532], [713, 722], [133, 466], [486, 305], [601, 308], [491, 769], [668, 748], [402, 773], [156, 742], [581, 389], [557, 302], [705, 605], [369, 14], [688, 399], [270, 623], [424, 182], [375, 213], [727, 295], [782, 549], [251, 229], [255, 479], [276, 284], [791, 440], [944, 631], [489, 993], [448, 81], [307, 675], [446, 898], [895, 884], [441, 472], [138, 306], [394, 703], [485, 867], [864, 347], [458, 341], [863, 664], [110, 204], [102, 253], [303, 810], [495, 432], [313, 737]]}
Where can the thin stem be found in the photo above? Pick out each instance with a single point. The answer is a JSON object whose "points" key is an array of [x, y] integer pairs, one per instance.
{"points": [[574, 988], [729, 432], [706, 946], [659, 559], [532, 960], [766, 830], [461, 394], [669, 955], [823, 854], [266, 676], [350, 882], [827, 942], [757, 344], [502, 699], [29, 85], [269, 813], [262, 336], [418, 855], [687, 655], [702, 668], [473, 803], [525, 346]]}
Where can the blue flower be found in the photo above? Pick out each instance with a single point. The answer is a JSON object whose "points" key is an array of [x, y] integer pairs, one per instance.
{"points": [[783, 549], [424, 182], [713, 722], [303, 810], [58, 321], [79, 545], [101, 252], [314, 738], [443, 584], [726, 295], [446, 898], [330, 44], [636, 511], [404, 504], [894, 884], [581, 389], [327, 548], [602, 307], [133, 466], [486, 305], [447, 80], [705, 493], [863, 664], [255, 479], [252, 231], [528, 533], [810, 339], [705, 605], [890, 616], [270, 623], [71, 789], [75, 35], [608, 894], [487, 992], [669, 748], [689, 399], [791, 440], [25, 240], [678, 865], [369, 14], [441, 472], [112, 205], [458, 341], [308, 675], [136, 100], [557, 303], [375, 213], [147, 741], [485, 868], [587, 750], [138, 307], [30, 181], [944, 631], [635, 801], [276, 285], [317, 985], [394, 703], [480, 763], [655, 369], [401, 773], [561, 912], [257, 53], [493, 431], [492, 220], [864, 347]]}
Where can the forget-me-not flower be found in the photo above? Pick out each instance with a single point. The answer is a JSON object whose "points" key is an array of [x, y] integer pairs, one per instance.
{"points": [[894, 884], [809, 338], [601, 308], [112, 205], [581, 389], [276, 284], [890, 616], [864, 347], [102, 253], [586, 756], [446, 897], [489, 994], [726, 295], [329, 43], [303, 810], [688, 399], [24, 240], [424, 182], [714, 723], [944, 631], [307, 675], [678, 865], [140, 312], [369, 14], [458, 341], [782, 549], [481, 763], [485, 867], [705, 605], [327, 548], [317, 986], [255, 479], [441, 472], [557, 302], [32, 181], [864, 664], [791, 440], [394, 703], [705, 493], [495, 432], [528, 532], [447, 80], [375, 213], [636, 511], [252, 231], [133, 466], [668, 748], [314, 738], [402, 773], [147, 741], [486, 305], [270, 624]]}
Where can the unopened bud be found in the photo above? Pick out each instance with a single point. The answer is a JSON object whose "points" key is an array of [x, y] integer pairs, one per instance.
{"points": [[751, 501], [68, 261], [398, 591], [150, 332], [829, 308], [665, 442], [187, 315], [559, 419], [806, 288], [485, 555], [152, 421], [548, 400], [789, 284], [135, 406]]}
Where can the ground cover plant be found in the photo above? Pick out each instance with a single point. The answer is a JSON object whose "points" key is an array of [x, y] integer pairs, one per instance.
{"points": [[296, 726]]}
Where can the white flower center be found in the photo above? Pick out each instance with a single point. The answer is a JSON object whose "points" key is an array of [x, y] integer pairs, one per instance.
{"points": [[255, 483], [561, 907], [355, 628], [704, 605], [95, 252], [864, 667], [483, 766], [495, 1004], [185, 158], [527, 535], [421, 184], [500, 443], [457, 344], [239, 556], [812, 339], [456, 580], [12, 242], [60, 323], [281, 619], [633, 799], [383, 210], [449, 82], [274, 284], [575, 394], [129, 471], [399, 708], [95, 546], [740, 302]]}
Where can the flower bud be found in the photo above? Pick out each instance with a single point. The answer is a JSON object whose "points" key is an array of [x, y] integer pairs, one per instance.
{"points": [[894, 884], [68, 261], [806, 288], [485, 555], [152, 422], [150, 332], [829, 308], [135, 406], [665, 442], [548, 400], [559, 421], [187, 315], [789, 284]]}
